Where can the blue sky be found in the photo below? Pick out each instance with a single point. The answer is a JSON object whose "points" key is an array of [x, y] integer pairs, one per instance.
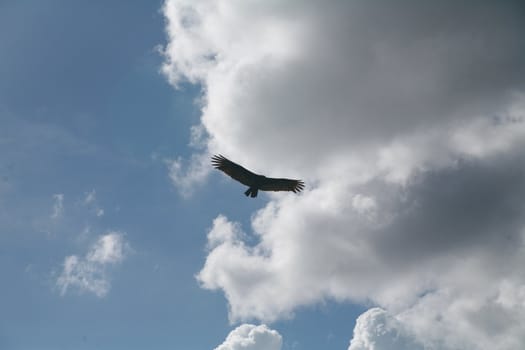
{"points": [[405, 120], [84, 110]]}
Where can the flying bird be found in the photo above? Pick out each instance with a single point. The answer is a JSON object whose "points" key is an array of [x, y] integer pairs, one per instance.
{"points": [[254, 181]]}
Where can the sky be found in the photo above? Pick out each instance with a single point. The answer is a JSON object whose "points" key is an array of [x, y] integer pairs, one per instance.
{"points": [[406, 121]]}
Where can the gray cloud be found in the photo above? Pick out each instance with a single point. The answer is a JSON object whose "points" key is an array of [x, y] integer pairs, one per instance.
{"points": [[421, 232], [407, 122], [344, 74], [468, 206]]}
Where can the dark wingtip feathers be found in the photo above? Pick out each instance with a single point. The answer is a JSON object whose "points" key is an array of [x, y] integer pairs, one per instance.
{"points": [[217, 161], [298, 187]]}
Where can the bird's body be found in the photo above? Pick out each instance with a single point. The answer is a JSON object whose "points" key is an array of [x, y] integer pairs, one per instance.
{"points": [[255, 182]]}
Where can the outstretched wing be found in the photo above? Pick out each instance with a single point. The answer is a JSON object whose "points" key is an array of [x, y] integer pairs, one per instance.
{"points": [[234, 170], [272, 184]]}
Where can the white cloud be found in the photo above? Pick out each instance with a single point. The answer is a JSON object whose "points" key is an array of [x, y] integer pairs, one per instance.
{"points": [[185, 177], [377, 330], [58, 206], [482, 318], [89, 273], [407, 122], [251, 337], [107, 250], [373, 81], [223, 231]]}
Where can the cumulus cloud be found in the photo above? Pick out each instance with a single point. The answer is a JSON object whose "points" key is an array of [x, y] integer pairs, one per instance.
{"points": [[90, 273], [386, 71], [407, 122], [377, 330], [251, 337]]}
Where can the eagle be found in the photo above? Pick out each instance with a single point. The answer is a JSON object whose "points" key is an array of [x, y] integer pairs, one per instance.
{"points": [[255, 182]]}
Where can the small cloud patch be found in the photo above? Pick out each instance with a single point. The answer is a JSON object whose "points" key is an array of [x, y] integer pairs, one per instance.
{"points": [[58, 206], [251, 337], [90, 273]]}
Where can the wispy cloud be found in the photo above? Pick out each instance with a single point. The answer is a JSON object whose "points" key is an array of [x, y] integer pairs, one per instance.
{"points": [[90, 200], [90, 197], [58, 206], [187, 175], [90, 272]]}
